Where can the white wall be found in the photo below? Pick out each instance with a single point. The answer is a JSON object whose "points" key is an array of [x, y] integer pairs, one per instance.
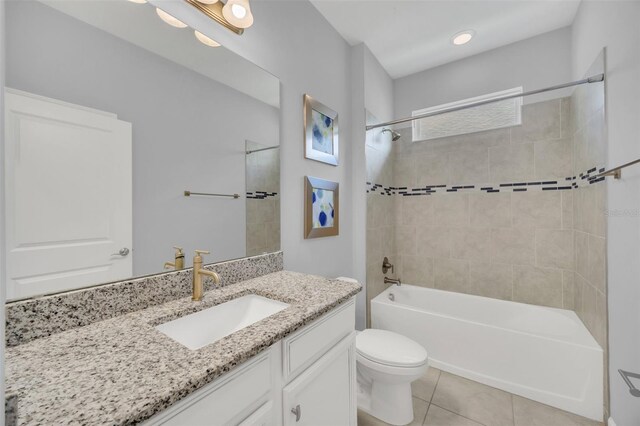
{"points": [[359, 174], [372, 91], [291, 40], [378, 88], [189, 131], [614, 25], [533, 63]]}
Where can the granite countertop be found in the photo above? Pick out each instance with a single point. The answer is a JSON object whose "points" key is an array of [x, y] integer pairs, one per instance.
{"points": [[123, 371]]}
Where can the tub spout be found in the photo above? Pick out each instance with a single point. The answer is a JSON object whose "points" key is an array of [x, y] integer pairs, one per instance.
{"points": [[388, 280]]}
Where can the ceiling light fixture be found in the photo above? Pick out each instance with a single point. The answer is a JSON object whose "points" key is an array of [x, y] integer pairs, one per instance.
{"points": [[170, 19], [238, 13], [138, 1], [463, 37], [206, 40]]}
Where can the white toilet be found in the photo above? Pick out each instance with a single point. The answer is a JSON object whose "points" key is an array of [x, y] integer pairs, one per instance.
{"points": [[387, 363]]}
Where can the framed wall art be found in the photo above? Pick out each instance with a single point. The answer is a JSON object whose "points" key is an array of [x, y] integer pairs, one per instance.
{"points": [[321, 208], [320, 132]]}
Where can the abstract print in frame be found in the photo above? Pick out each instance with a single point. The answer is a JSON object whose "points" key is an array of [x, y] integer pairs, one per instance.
{"points": [[321, 208], [320, 132]]}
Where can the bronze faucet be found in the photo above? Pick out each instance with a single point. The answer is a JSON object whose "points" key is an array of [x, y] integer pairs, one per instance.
{"points": [[178, 261], [198, 272]]}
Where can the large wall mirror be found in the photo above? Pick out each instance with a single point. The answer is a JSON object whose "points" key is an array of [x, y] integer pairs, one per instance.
{"points": [[111, 115]]}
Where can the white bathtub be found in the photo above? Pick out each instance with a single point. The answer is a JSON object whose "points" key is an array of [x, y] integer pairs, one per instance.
{"points": [[540, 353]]}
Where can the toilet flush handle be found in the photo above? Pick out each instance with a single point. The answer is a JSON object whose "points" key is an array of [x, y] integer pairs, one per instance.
{"points": [[297, 411]]}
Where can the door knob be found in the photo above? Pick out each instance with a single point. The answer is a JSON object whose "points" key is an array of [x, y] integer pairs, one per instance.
{"points": [[297, 411], [122, 252]]}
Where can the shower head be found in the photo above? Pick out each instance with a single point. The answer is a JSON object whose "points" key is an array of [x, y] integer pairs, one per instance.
{"points": [[394, 135]]}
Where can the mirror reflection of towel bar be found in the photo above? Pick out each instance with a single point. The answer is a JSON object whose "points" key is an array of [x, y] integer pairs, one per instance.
{"points": [[208, 194], [632, 389]]}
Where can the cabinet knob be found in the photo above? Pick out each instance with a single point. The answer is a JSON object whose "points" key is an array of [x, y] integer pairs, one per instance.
{"points": [[297, 411]]}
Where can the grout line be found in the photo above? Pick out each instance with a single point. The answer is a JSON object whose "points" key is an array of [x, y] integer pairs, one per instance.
{"points": [[460, 415], [561, 211], [536, 147], [535, 248], [424, 421], [513, 411], [436, 386], [417, 397], [513, 282], [560, 120]]}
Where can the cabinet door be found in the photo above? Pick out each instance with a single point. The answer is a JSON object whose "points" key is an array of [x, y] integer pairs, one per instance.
{"points": [[324, 394]]}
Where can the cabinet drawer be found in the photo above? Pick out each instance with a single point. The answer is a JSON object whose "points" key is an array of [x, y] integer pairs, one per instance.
{"points": [[224, 401], [307, 345]]}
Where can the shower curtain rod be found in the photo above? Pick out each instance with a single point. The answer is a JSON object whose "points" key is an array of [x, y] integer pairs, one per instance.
{"points": [[593, 79]]}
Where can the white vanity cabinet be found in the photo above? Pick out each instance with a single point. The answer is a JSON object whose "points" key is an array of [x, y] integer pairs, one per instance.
{"points": [[323, 394], [308, 378]]}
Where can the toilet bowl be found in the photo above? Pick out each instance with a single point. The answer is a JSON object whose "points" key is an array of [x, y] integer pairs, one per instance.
{"points": [[387, 363]]}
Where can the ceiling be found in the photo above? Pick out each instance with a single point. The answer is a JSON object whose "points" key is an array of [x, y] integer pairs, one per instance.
{"points": [[139, 25], [408, 36]]}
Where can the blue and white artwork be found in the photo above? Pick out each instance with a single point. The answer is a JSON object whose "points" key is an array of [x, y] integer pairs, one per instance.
{"points": [[322, 208], [322, 132]]}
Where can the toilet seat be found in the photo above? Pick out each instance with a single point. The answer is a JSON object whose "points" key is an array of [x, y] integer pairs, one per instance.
{"points": [[389, 349]]}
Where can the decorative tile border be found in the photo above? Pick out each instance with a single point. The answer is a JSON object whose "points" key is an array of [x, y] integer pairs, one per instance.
{"points": [[261, 195], [34, 318], [568, 183]]}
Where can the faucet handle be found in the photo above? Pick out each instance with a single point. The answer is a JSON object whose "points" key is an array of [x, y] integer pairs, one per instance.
{"points": [[178, 250], [386, 265], [198, 256]]}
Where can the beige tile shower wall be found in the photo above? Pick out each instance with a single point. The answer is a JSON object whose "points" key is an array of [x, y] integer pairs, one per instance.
{"points": [[263, 215], [381, 238], [589, 218], [542, 247], [513, 246], [263, 225]]}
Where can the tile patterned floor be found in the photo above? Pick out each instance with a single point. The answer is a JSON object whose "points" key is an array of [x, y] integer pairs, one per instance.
{"points": [[443, 399]]}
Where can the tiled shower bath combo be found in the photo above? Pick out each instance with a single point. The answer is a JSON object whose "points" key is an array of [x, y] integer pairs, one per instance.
{"points": [[515, 213], [263, 198]]}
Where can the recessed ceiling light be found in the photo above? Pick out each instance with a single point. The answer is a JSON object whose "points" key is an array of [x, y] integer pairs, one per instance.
{"points": [[138, 1], [206, 40], [170, 19], [463, 37]]}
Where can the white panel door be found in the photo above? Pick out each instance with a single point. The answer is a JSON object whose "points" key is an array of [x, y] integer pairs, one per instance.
{"points": [[68, 192], [324, 394]]}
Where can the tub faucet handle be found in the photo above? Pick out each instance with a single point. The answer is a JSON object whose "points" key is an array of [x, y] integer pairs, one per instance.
{"points": [[386, 265]]}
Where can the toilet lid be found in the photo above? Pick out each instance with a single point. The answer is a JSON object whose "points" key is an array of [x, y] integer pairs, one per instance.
{"points": [[389, 348]]}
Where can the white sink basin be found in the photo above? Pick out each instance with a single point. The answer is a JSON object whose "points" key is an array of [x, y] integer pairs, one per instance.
{"points": [[209, 325]]}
